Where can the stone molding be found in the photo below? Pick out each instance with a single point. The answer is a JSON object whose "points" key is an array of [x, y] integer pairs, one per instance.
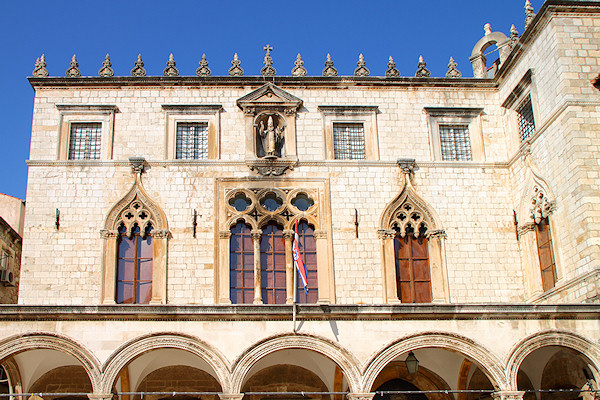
{"points": [[508, 395]]}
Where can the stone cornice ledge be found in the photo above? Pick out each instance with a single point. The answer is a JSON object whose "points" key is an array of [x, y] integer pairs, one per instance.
{"points": [[313, 312]]}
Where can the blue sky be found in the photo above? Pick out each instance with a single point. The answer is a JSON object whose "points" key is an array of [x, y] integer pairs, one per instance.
{"points": [[437, 29]]}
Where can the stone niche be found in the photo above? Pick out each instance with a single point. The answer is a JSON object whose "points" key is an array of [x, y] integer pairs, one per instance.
{"points": [[270, 127]]}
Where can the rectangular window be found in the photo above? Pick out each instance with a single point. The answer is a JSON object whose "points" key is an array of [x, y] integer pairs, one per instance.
{"points": [[526, 121], [545, 253], [348, 141], [191, 141], [84, 142], [3, 260], [455, 143]]}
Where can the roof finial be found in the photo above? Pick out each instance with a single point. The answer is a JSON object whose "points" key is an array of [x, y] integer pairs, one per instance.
{"points": [[171, 70], [106, 71], [514, 36], [392, 71], [40, 71], [329, 69], [73, 70], [361, 69], [487, 28], [268, 69], [422, 71], [236, 70], [138, 70], [203, 69], [299, 69], [452, 71], [529, 14]]}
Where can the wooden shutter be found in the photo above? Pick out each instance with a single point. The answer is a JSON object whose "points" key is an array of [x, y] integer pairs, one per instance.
{"points": [[241, 265], [545, 253], [412, 269]]}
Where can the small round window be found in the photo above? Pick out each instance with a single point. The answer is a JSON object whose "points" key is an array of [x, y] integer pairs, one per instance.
{"points": [[302, 202], [240, 202], [271, 202]]}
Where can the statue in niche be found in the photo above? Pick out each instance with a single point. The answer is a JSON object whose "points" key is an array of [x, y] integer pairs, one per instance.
{"points": [[271, 137]]}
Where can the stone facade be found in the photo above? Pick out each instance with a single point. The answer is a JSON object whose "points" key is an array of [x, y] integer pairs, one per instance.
{"points": [[498, 318]]}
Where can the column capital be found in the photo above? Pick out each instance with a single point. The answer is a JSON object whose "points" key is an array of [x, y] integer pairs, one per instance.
{"points": [[224, 234], [320, 234], [256, 234], [508, 395], [360, 396], [288, 233], [100, 396], [231, 396], [384, 234]]}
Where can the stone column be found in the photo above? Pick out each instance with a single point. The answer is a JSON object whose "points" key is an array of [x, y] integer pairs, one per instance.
{"points": [[437, 265], [479, 69], [224, 268], [159, 266], [288, 236], [360, 396], [324, 280], [508, 395], [109, 264], [388, 262], [256, 236]]}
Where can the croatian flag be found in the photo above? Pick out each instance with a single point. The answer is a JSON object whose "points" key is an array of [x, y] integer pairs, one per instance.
{"points": [[298, 260]]}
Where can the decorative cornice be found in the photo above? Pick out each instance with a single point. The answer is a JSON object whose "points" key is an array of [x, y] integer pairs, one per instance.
{"points": [[13, 312], [193, 108], [345, 109]]}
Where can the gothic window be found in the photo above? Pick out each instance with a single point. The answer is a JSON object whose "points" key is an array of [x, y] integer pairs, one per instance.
{"points": [[4, 257], [134, 256], [255, 258], [546, 256], [348, 141], [414, 266], [134, 266], [525, 118], [241, 264], [85, 141], [308, 251], [192, 140], [455, 143], [413, 279], [273, 265]]}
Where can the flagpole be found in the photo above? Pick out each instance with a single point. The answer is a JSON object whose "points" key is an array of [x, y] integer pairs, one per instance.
{"points": [[294, 298]]}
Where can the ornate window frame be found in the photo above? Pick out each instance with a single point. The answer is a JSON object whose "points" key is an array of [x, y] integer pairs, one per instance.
{"points": [[471, 117], [435, 245], [256, 216], [526, 88], [130, 211], [82, 113], [208, 113], [365, 115], [537, 203]]}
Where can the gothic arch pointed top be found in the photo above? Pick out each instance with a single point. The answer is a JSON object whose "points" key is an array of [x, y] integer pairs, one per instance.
{"points": [[136, 207], [537, 199], [409, 209]]}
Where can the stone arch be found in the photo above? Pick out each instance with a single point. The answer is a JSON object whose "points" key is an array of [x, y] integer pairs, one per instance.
{"points": [[136, 202], [245, 218], [486, 360], [264, 220], [127, 352], [135, 208], [51, 341], [521, 350], [409, 211], [310, 219], [478, 59], [340, 356], [535, 185]]}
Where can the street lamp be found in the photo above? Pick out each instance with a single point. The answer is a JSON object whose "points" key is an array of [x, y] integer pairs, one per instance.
{"points": [[412, 364]]}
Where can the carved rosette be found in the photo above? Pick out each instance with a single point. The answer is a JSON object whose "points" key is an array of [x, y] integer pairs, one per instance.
{"points": [[542, 207]]}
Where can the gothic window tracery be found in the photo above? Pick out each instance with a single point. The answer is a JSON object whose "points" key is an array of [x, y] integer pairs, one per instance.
{"points": [[541, 209]]}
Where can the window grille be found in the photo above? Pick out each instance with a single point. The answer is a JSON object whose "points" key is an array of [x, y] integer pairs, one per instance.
{"points": [[192, 140], [526, 121], [349, 141], [455, 143], [3, 260], [84, 143]]}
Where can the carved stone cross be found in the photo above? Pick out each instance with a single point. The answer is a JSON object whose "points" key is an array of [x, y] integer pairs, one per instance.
{"points": [[268, 48]]}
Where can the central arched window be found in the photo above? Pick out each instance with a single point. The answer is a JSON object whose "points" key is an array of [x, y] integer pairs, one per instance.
{"points": [[308, 251], [134, 266], [413, 277], [272, 261], [241, 262]]}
